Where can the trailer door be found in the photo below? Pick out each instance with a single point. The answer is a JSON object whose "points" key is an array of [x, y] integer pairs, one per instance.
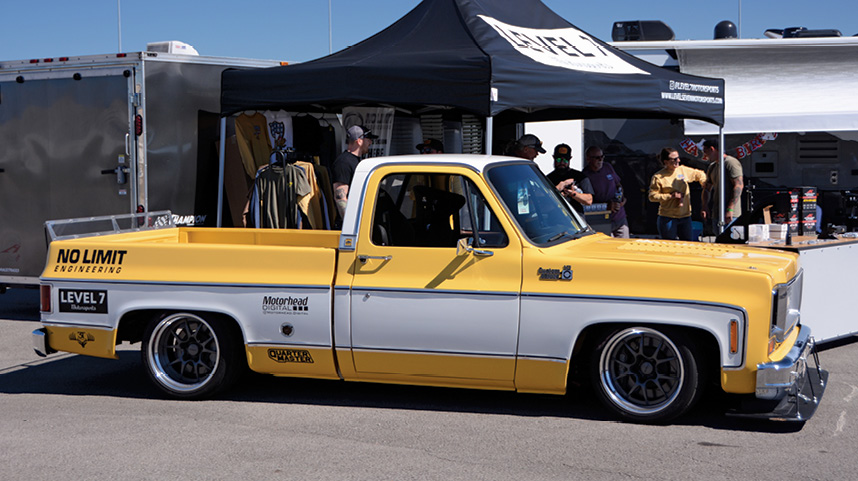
{"points": [[63, 136]]}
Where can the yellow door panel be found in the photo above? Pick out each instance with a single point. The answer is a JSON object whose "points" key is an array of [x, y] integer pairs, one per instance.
{"points": [[413, 291]]}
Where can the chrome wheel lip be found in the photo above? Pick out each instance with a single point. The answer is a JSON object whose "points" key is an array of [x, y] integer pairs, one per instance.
{"points": [[611, 385], [159, 364]]}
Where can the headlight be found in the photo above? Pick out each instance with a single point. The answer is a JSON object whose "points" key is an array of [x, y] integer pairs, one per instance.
{"points": [[786, 307]]}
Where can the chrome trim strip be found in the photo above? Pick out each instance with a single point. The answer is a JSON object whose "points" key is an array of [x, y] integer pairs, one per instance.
{"points": [[640, 299], [55, 323], [544, 358], [437, 353], [296, 344], [434, 291]]}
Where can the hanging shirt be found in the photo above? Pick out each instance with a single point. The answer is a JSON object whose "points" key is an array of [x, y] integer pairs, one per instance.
{"points": [[279, 129], [251, 134], [311, 204], [276, 193]]}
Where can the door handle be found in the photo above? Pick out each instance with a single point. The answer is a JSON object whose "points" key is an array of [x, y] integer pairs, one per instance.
{"points": [[363, 258]]}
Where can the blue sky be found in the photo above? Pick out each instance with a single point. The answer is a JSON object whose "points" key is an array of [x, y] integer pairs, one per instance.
{"points": [[297, 30]]}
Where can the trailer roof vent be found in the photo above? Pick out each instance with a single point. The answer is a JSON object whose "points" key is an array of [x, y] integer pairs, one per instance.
{"points": [[641, 30], [172, 46]]}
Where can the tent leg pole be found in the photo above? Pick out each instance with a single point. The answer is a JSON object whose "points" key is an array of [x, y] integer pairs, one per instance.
{"points": [[490, 121], [220, 179], [721, 181]]}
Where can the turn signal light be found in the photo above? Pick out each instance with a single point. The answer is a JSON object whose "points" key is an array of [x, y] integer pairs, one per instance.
{"points": [[45, 298], [734, 336]]}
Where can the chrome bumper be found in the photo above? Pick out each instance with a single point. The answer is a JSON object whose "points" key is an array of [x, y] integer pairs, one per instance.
{"points": [[40, 342], [796, 387]]}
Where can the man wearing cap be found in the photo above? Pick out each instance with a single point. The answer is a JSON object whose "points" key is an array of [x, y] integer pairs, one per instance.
{"points": [[528, 147], [343, 169], [430, 146], [573, 184]]}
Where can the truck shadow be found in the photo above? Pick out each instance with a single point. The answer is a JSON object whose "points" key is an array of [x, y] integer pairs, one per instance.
{"points": [[73, 375], [20, 304]]}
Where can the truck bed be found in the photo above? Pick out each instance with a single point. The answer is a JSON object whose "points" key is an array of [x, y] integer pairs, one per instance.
{"points": [[199, 256]]}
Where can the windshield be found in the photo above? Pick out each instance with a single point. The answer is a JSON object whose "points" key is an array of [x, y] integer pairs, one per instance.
{"points": [[540, 211]]}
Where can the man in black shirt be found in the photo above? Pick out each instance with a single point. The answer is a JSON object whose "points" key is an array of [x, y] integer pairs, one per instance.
{"points": [[573, 184], [359, 139]]}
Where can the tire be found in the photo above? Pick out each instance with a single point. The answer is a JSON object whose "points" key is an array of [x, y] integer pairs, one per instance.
{"points": [[647, 375], [188, 356]]}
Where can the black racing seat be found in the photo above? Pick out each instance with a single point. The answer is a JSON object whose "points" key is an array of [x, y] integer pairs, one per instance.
{"points": [[435, 208], [390, 227]]}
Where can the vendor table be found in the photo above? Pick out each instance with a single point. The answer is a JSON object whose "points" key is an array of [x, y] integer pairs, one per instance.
{"points": [[828, 304]]}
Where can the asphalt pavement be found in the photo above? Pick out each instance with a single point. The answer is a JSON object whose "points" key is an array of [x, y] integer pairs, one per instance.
{"points": [[77, 417]]}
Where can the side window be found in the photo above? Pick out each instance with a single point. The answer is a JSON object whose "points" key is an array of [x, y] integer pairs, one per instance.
{"points": [[489, 230], [432, 210]]}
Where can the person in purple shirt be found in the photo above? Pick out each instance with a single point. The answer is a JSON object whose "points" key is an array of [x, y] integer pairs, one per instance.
{"points": [[607, 188]]}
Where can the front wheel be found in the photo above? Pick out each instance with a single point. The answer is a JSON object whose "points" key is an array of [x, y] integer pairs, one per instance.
{"points": [[190, 357], [647, 375]]}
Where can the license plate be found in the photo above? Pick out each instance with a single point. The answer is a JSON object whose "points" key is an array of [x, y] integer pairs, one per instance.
{"points": [[83, 301]]}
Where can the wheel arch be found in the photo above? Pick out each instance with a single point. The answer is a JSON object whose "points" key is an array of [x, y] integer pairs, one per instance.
{"points": [[133, 323], [590, 336]]}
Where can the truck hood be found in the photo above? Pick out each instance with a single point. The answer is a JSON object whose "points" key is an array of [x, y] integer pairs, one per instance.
{"points": [[780, 265]]}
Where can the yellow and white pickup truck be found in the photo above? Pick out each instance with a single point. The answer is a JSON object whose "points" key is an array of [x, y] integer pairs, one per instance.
{"points": [[450, 270]]}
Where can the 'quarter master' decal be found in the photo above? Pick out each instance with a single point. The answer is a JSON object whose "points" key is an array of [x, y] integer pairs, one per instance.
{"points": [[290, 355]]}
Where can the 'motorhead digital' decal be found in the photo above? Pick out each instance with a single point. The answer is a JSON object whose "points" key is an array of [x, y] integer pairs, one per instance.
{"points": [[287, 305]]}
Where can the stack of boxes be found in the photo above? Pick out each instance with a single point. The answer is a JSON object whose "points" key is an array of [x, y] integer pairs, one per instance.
{"points": [[807, 215], [800, 214], [787, 213]]}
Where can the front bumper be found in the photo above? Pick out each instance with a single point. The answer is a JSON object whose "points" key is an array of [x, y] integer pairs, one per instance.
{"points": [[790, 387]]}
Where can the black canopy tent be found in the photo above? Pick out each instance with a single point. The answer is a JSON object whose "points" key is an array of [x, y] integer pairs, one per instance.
{"points": [[514, 60]]}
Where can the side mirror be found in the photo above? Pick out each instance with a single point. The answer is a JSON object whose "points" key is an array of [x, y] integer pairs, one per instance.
{"points": [[463, 247]]}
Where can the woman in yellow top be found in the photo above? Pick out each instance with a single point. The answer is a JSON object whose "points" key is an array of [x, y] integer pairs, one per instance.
{"points": [[669, 187]]}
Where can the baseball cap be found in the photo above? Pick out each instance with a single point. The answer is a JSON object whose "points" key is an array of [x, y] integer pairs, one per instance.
{"points": [[562, 151], [359, 131], [530, 140], [433, 144]]}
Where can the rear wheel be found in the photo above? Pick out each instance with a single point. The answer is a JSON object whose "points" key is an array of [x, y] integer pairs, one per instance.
{"points": [[646, 375], [189, 356]]}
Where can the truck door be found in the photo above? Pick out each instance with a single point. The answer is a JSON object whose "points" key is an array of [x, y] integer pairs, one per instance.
{"points": [[64, 137], [419, 308]]}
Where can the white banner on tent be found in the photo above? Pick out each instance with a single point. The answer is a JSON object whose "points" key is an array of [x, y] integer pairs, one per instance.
{"points": [[379, 120], [567, 48]]}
